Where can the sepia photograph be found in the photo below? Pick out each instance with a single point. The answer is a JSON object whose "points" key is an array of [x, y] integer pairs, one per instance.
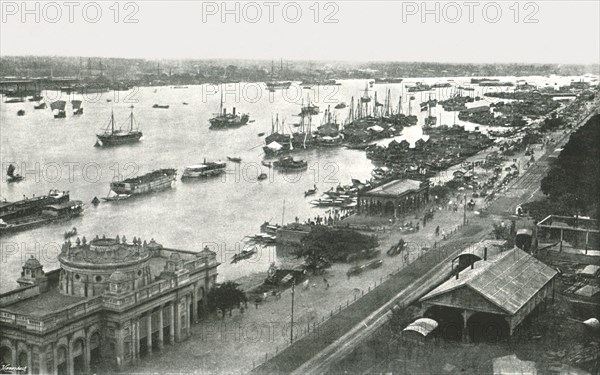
{"points": [[309, 187]]}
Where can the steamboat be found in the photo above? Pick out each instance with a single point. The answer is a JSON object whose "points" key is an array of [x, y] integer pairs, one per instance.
{"points": [[205, 169], [151, 182]]}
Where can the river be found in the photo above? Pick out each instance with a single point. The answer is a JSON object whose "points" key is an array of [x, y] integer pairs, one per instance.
{"points": [[220, 212]]}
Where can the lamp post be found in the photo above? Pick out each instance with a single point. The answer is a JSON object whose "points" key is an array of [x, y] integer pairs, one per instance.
{"points": [[292, 315]]}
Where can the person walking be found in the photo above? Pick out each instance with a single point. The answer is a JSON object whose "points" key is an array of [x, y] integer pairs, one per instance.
{"points": [[437, 231]]}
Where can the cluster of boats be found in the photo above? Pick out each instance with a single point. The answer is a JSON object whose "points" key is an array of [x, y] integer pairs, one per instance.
{"points": [[342, 197], [32, 212]]}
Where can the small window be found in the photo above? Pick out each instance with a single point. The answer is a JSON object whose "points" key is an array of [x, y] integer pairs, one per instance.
{"points": [[98, 278], [77, 277], [140, 273]]}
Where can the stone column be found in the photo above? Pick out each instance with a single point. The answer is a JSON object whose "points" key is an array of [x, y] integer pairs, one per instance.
{"points": [[70, 365], [29, 359], [87, 353], [120, 354], [149, 331], [13, 352], [171, 324], [136, 337], [54, 359], [42, 360], [160, 328], [177, 321], [194, 304]]}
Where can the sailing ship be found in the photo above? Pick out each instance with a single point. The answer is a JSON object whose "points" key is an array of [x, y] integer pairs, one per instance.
{"points": [[150, 182], [310, 109], [205, 169], [328, 134], [115, 137], [58, 108], [227, 120], [275, 85], [77, 108], [277, 142]]}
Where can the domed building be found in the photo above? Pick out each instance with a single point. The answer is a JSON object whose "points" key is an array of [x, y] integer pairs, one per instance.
{"points": [[111, 303]]}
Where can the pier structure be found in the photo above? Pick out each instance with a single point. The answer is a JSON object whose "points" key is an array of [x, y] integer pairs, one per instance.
{"points": [[394, 198], [110, 304]]}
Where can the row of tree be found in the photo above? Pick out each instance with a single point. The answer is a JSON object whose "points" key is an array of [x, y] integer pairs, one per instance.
{"points": [[573, 182]]}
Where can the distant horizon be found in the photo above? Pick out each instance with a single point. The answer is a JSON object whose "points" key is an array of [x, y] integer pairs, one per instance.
{"points": [[277, 60]]}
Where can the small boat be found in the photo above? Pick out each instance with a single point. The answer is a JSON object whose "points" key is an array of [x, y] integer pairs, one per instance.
{"points": [[77, 108], [310, 192], [21, 112], [95, 201], [35, 98], [244, 254], [263, 238], [40, 106], [251, 121], [267, 164], [289, 164], [58, 108], [160, 106], [234, 159], [11, 176], [261, 134], [307, 87], [262, 176], [70, 233], [341, 105], [185, 103], [117, 197], [355, 270], [108, 100]]}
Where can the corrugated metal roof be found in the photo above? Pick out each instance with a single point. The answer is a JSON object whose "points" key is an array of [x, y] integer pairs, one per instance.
{"points": [[508, 280]]}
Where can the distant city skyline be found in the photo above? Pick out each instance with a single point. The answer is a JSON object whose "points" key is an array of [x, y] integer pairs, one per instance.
{"points": [[382, 31]]}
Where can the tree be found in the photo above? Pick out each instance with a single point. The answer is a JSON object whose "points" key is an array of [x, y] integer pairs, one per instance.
{"points": [[324, 244], [226, 296]]}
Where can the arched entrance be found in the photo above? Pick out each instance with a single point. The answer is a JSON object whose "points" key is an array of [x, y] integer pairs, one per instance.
{"points": [[450, 322], [485, 327], [5, 355], [79, 356], [95, 354], [61, 361], [22, 359]]}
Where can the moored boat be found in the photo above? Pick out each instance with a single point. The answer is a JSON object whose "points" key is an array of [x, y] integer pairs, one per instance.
{"points": [[205, 169], [77, 108], [116, 137], [150, 182], [289, 164], [58, 108]]}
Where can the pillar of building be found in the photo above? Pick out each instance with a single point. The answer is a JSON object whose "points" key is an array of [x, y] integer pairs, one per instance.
{"points": [[70, 364], [13, 352], [87, 353], [30, 359], [177, 320], [160, 328], [120, 354], [188, 321], [465, 333], [149, 331], [135, 333], [54, 359], [194, 304], [42, 360]]}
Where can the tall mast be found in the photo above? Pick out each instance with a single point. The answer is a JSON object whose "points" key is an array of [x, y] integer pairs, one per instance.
{"points": [[221, 105], [131, 119], [112, 122]]}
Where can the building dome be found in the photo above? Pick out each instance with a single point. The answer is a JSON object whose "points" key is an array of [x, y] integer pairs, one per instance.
{"points": [[32, 263], [117, 277]]}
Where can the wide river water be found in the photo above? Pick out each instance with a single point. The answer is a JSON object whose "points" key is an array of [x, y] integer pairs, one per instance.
{"points": [[220, 212]]}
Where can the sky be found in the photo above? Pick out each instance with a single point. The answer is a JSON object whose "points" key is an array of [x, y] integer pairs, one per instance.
{"points": [[463, 31]]}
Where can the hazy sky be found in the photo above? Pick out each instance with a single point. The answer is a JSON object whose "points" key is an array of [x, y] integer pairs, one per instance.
{"points": [[565, 32]]}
